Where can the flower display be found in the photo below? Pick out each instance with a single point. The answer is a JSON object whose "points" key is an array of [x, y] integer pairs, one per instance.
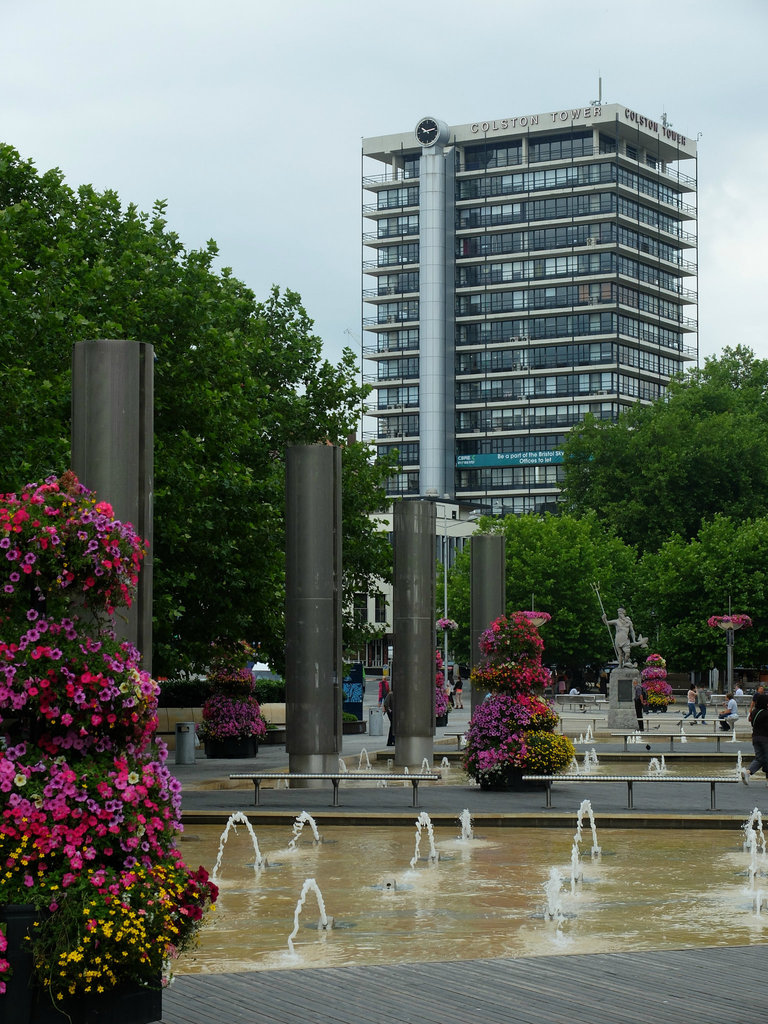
{"points": [[447, 624], [513, 728], [58, 543], [654, 679], [228, 718], [442, 704], [89, 812], [729, 621], [232, 712]]}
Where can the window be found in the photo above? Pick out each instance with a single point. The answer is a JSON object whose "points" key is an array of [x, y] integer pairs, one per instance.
{"points": [[380, 608]]}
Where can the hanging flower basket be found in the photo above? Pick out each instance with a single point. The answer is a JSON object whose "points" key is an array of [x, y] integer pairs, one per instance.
{"points": [[447, 624], [729, 621]]}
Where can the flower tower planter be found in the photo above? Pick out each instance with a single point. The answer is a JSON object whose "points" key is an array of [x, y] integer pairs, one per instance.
{"points": [[654, 679], [512, 732], [89, 815]]}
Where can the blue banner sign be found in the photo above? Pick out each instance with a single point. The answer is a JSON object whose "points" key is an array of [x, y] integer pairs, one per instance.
{"points": [[551, 458]]}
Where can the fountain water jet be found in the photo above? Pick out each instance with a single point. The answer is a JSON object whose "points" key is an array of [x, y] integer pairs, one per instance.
{"points": [[298, 827], [552, 890], [364, 754], [310, 885], [754, 823], [585, 808], [445, 763], [424, 822], [590, 760], [234, 819], [465, 819]]}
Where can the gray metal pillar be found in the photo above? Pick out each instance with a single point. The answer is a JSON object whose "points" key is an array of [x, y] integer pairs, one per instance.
{"points": [[313, 595], [112, 440], [487, 592], [413, 621]]}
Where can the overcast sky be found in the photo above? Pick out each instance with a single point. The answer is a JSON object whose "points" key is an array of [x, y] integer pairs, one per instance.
{"points": [[247, 117]]}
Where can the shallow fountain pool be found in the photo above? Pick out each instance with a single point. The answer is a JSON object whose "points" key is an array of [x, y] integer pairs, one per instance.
{"points": [[487, 896]]}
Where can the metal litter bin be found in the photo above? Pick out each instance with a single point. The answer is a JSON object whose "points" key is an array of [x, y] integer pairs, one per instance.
{"points": [[185, 743], [375, 722]]}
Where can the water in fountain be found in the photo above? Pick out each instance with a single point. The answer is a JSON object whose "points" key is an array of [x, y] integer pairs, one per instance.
{"points": [[479, 900], [577, 875], [298, 827], [426, 767], [465, 820], [573, 766], [445, 763], [364, 754], [310, 885], [683, 737], [738, 765], [590, 759], [342, 765], [554, 908], [585, 809], [424, 822], [234, 819], [755, 823], [589, 735]]}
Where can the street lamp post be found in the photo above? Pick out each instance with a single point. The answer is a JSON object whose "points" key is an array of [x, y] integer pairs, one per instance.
{"points": [[729, 624]]}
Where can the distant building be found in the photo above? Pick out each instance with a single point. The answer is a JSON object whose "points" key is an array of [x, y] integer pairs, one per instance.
{"points": [[521, 273]]}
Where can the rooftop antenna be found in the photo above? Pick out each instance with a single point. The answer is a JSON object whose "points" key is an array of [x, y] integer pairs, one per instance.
{"points": [[599, 101], [664, 121]]}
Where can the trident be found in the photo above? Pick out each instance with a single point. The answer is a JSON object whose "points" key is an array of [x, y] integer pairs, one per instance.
{"points": [[596, 588]]}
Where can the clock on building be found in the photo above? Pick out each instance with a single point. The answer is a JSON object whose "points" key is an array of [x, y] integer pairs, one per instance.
{"points": [[429, 131]]}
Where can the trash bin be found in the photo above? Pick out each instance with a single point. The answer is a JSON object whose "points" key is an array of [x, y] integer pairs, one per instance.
{"points": [[375, 722], [185, 743]]}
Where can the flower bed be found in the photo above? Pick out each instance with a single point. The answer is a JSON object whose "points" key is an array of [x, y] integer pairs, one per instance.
{"points": [[512, 731], [89, 817]]}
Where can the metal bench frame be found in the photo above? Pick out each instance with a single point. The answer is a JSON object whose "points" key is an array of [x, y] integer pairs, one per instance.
{"points": [[336, 777], [630, 780]]}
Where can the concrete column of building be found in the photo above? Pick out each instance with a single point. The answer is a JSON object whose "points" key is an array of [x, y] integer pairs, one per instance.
{"points": [[413, 620], [112, 452], [432, 322], [313, 648], [487, 592]]}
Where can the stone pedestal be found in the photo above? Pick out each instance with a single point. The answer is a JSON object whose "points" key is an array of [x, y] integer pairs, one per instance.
{"points": [[621, 706]]}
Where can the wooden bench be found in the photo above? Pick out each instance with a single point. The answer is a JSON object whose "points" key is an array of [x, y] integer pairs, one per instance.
{"points": [[630, 780], [336, 777]]}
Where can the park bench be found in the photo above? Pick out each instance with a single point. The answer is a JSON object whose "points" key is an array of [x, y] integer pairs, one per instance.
{"points": [[630, 780], [709, 727], [336, 777], [581, 701]]}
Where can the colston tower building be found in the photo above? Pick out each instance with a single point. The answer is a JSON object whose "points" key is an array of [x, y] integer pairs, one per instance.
{"points": [[520, 273]]}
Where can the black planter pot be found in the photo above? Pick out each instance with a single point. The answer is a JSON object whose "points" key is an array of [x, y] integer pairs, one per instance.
{"points": [[25, 1003], [248, 747], [441, 720], [353, 728], [510, 779]]}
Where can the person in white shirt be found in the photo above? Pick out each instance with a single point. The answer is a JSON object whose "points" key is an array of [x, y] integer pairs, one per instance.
{"points": [[730, 713]]}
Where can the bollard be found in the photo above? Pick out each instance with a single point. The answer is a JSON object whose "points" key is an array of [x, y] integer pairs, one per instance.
{"points": [[185, 743]]}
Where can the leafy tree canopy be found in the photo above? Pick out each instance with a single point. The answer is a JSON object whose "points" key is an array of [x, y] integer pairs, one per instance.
{"points": [[552, 562], [236, 381], [667, 468]]}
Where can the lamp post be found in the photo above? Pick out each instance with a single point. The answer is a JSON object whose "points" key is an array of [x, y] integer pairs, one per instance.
{"points": [[729, 624]]}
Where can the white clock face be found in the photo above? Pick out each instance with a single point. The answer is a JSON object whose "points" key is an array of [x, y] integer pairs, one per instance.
{"points": [[427, 131]]}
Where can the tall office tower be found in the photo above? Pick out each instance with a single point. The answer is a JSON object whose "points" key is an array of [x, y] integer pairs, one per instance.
{"points": [[522, 273]]}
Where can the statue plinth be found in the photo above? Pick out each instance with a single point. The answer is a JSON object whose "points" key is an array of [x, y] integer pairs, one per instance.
{"points": [[621, 704]]}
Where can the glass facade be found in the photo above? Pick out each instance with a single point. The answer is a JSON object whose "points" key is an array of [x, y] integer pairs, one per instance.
{"points": [[571, 290]]}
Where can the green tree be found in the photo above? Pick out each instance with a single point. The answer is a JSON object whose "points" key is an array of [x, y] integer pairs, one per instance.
{"points": [[667, 468], [552, 562], [685, 582], [236, 382]]}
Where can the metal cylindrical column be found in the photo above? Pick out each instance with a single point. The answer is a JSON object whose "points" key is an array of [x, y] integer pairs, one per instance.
{"points": [[413, 621], [313, 664], [487, 592], [112, 441]]}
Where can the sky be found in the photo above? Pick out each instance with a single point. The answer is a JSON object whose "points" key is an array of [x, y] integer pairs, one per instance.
{"points": [[247, 117]]}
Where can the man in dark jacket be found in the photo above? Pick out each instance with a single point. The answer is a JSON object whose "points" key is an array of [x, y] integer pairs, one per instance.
{"points": [[758, 716]]}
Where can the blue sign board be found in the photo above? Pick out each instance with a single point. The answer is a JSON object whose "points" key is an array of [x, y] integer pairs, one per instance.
{"points": [[549, 458]]}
